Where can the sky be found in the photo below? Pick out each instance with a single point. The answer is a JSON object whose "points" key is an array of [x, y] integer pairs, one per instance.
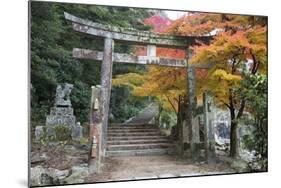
{"points": [[173, 15]]}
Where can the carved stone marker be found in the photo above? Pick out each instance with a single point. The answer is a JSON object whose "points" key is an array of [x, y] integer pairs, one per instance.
{"points": [[62, 113]]}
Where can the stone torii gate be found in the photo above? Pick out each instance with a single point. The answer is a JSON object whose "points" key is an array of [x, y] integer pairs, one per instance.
{"points": [[110, 35]]}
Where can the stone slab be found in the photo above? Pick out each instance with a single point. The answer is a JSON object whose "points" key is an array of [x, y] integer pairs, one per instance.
{"points": [[53, 120], [61, 111]]}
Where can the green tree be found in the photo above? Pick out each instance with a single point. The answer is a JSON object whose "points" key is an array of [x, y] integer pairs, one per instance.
{"points": [[52, 40], [254, 90]]}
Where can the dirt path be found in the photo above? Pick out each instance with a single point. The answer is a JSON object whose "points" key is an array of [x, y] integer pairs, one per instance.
{"points": [[149, 167]]}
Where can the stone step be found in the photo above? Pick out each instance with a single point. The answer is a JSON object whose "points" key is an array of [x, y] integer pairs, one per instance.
{"points": [[115, 138], [132, 130], [145, 152], [138, 146], [134, 134], [142, 141], [132, 127]]}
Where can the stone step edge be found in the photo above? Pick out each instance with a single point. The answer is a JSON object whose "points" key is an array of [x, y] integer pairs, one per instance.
{"points": [[132, 126], [140, 145], [140, 140], [135, 133], [133, 130], [143, 152], [111, 138]]}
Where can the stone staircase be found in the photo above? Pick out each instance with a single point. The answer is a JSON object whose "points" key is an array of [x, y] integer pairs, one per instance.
{"points": [[146, 115], [137, 140]]}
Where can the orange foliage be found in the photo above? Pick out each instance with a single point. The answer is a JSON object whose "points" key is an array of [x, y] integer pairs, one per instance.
{"points": [[238, 40]]}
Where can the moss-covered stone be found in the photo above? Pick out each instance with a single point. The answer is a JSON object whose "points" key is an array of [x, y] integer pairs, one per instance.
{"points": [[62, 133]]}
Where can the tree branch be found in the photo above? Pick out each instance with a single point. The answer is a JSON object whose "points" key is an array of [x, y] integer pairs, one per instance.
{"points": [[174, 108], [227, 105], [255, 63]]}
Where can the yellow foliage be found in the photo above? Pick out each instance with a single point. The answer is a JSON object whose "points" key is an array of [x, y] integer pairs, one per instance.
{"points": [[238, 39], [222, 74], [129, 79]]}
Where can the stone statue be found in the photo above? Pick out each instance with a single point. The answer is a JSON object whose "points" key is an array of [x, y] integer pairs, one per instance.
{"points": [[62, 95]]}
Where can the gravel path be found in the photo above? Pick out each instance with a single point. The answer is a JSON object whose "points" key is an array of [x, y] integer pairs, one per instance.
{"points": [[151, 167]]}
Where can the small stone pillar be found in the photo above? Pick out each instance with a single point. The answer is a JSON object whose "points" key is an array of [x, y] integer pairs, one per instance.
{"points": [[209, 139], [95, 131], [77, 132], [39, 133]]}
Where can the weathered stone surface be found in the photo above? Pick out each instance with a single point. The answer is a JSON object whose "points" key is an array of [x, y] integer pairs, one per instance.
{"points": [[35, 175], [61, 117], [60, 111], [78, 173], [39, 132], [37, 158], [46, 179], [50, 132], [209, 140], [77, 132], [185, 132], [54, 120], [193, 130], [62, 94], [132, 35], [128, 58], [59, 174], [96, 130], [106, 75], [40, 176]]}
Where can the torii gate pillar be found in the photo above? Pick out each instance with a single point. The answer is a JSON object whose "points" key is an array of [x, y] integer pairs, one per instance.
{"points": [[106, 75], [193, 128]]}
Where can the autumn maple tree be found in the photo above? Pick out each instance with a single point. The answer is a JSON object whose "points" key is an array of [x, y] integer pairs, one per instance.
{"points": [[239, 44]]}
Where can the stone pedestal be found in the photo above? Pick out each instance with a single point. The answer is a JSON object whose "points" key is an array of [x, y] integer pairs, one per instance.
{"points": [[60, 119], [61, 116]]}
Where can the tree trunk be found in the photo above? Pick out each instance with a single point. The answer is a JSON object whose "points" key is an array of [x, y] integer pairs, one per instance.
{"points": [[233, 140], [233, 129]]}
